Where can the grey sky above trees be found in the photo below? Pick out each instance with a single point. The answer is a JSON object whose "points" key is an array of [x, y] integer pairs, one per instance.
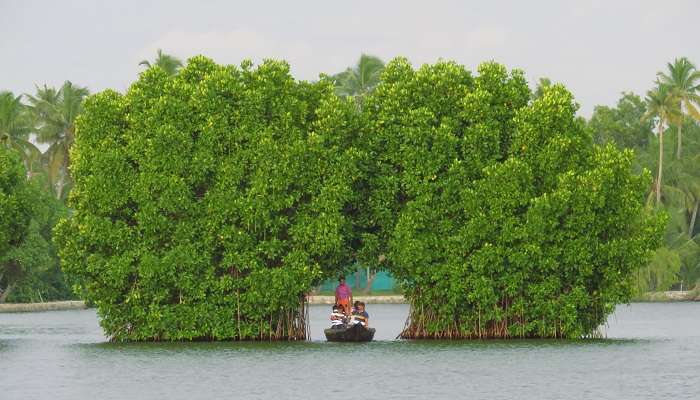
{"points": [[597, 48]]}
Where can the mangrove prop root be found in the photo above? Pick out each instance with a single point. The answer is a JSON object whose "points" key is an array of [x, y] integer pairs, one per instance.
{"points": [[423, 323]]}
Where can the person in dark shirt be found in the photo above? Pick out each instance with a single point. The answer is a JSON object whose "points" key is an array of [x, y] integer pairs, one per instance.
{"points": [[360, 315]]}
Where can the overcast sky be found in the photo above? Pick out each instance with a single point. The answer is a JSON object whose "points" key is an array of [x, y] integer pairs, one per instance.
{"points": [[597, 48]]}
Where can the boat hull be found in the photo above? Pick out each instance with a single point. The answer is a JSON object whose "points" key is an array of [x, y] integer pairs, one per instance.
{"points": [[354, 333]]}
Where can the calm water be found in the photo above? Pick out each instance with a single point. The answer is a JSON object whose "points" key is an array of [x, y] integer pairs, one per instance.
{"points": [[653, 352]]}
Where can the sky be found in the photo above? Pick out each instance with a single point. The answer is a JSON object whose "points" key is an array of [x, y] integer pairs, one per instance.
{"points": [[598, 49]]}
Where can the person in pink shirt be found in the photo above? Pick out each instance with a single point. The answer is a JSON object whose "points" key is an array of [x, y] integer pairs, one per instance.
{"points": [[343, 295]]}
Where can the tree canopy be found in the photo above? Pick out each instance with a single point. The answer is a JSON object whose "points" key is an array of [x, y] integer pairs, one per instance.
{"points": [[54, 112], [500, 215], [15, 128], [650, 128], [624, 124], [209, 202], [16, 213]]}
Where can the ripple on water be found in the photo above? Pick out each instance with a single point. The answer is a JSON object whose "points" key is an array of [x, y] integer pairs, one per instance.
{"points": [[651, 353]]}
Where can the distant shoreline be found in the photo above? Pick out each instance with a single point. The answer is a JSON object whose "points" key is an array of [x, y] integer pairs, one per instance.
{"points": [[653, 297], [38, 307], [382, 299], [662, 297], [80, 305]]}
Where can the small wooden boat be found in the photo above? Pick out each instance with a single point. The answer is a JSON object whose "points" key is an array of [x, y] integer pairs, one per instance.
{"points": [[352, 333]]}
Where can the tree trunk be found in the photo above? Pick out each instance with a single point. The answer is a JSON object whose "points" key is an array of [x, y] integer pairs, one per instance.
{"points": [[661, 162], [59, 188], [370, 280], [6, 292], [691, 228], [678, 148]]}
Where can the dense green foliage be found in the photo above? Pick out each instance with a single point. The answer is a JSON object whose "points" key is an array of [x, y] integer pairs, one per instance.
{"points": [[33, 269], [500, 215], [623, 125], [208, 203], [15, 216], [670, 110], [678, 259], [210, 198], [29, 267], [42, 278]]}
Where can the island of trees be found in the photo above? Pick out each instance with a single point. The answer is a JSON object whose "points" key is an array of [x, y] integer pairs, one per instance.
{"points": [[207, 200]]}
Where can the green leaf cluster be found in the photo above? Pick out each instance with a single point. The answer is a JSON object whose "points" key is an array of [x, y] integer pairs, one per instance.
{"points": [[209, 202], [28, 260], [15, 204], [499, 214], [41, 278]]}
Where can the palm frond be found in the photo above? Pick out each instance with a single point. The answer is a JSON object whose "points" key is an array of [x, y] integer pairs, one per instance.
{"points": [[692, 110], [168, 63], [358, 81]]}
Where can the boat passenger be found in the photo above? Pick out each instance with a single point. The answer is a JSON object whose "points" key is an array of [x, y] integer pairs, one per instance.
{"points": [[360, 315], [343, 295], [337, 318]]}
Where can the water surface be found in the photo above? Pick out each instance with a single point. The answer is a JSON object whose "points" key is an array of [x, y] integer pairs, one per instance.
{"points": [[652, 352]]}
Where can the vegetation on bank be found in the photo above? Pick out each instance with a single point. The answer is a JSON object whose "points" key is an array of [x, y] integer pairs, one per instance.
{"points": [[667, 296], [663, 131], [390, 122], [497, 212], [30, 266], [30, 270]]}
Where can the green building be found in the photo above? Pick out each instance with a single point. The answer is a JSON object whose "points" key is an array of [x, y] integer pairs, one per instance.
{"points": [[381, 282]]}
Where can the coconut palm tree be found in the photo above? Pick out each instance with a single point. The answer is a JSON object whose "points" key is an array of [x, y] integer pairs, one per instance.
{"points": [[55, 112], [15, 128], [170, 64], [663, 108], [683, 81], [683, 189], [676, 259], [358, 81]]}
